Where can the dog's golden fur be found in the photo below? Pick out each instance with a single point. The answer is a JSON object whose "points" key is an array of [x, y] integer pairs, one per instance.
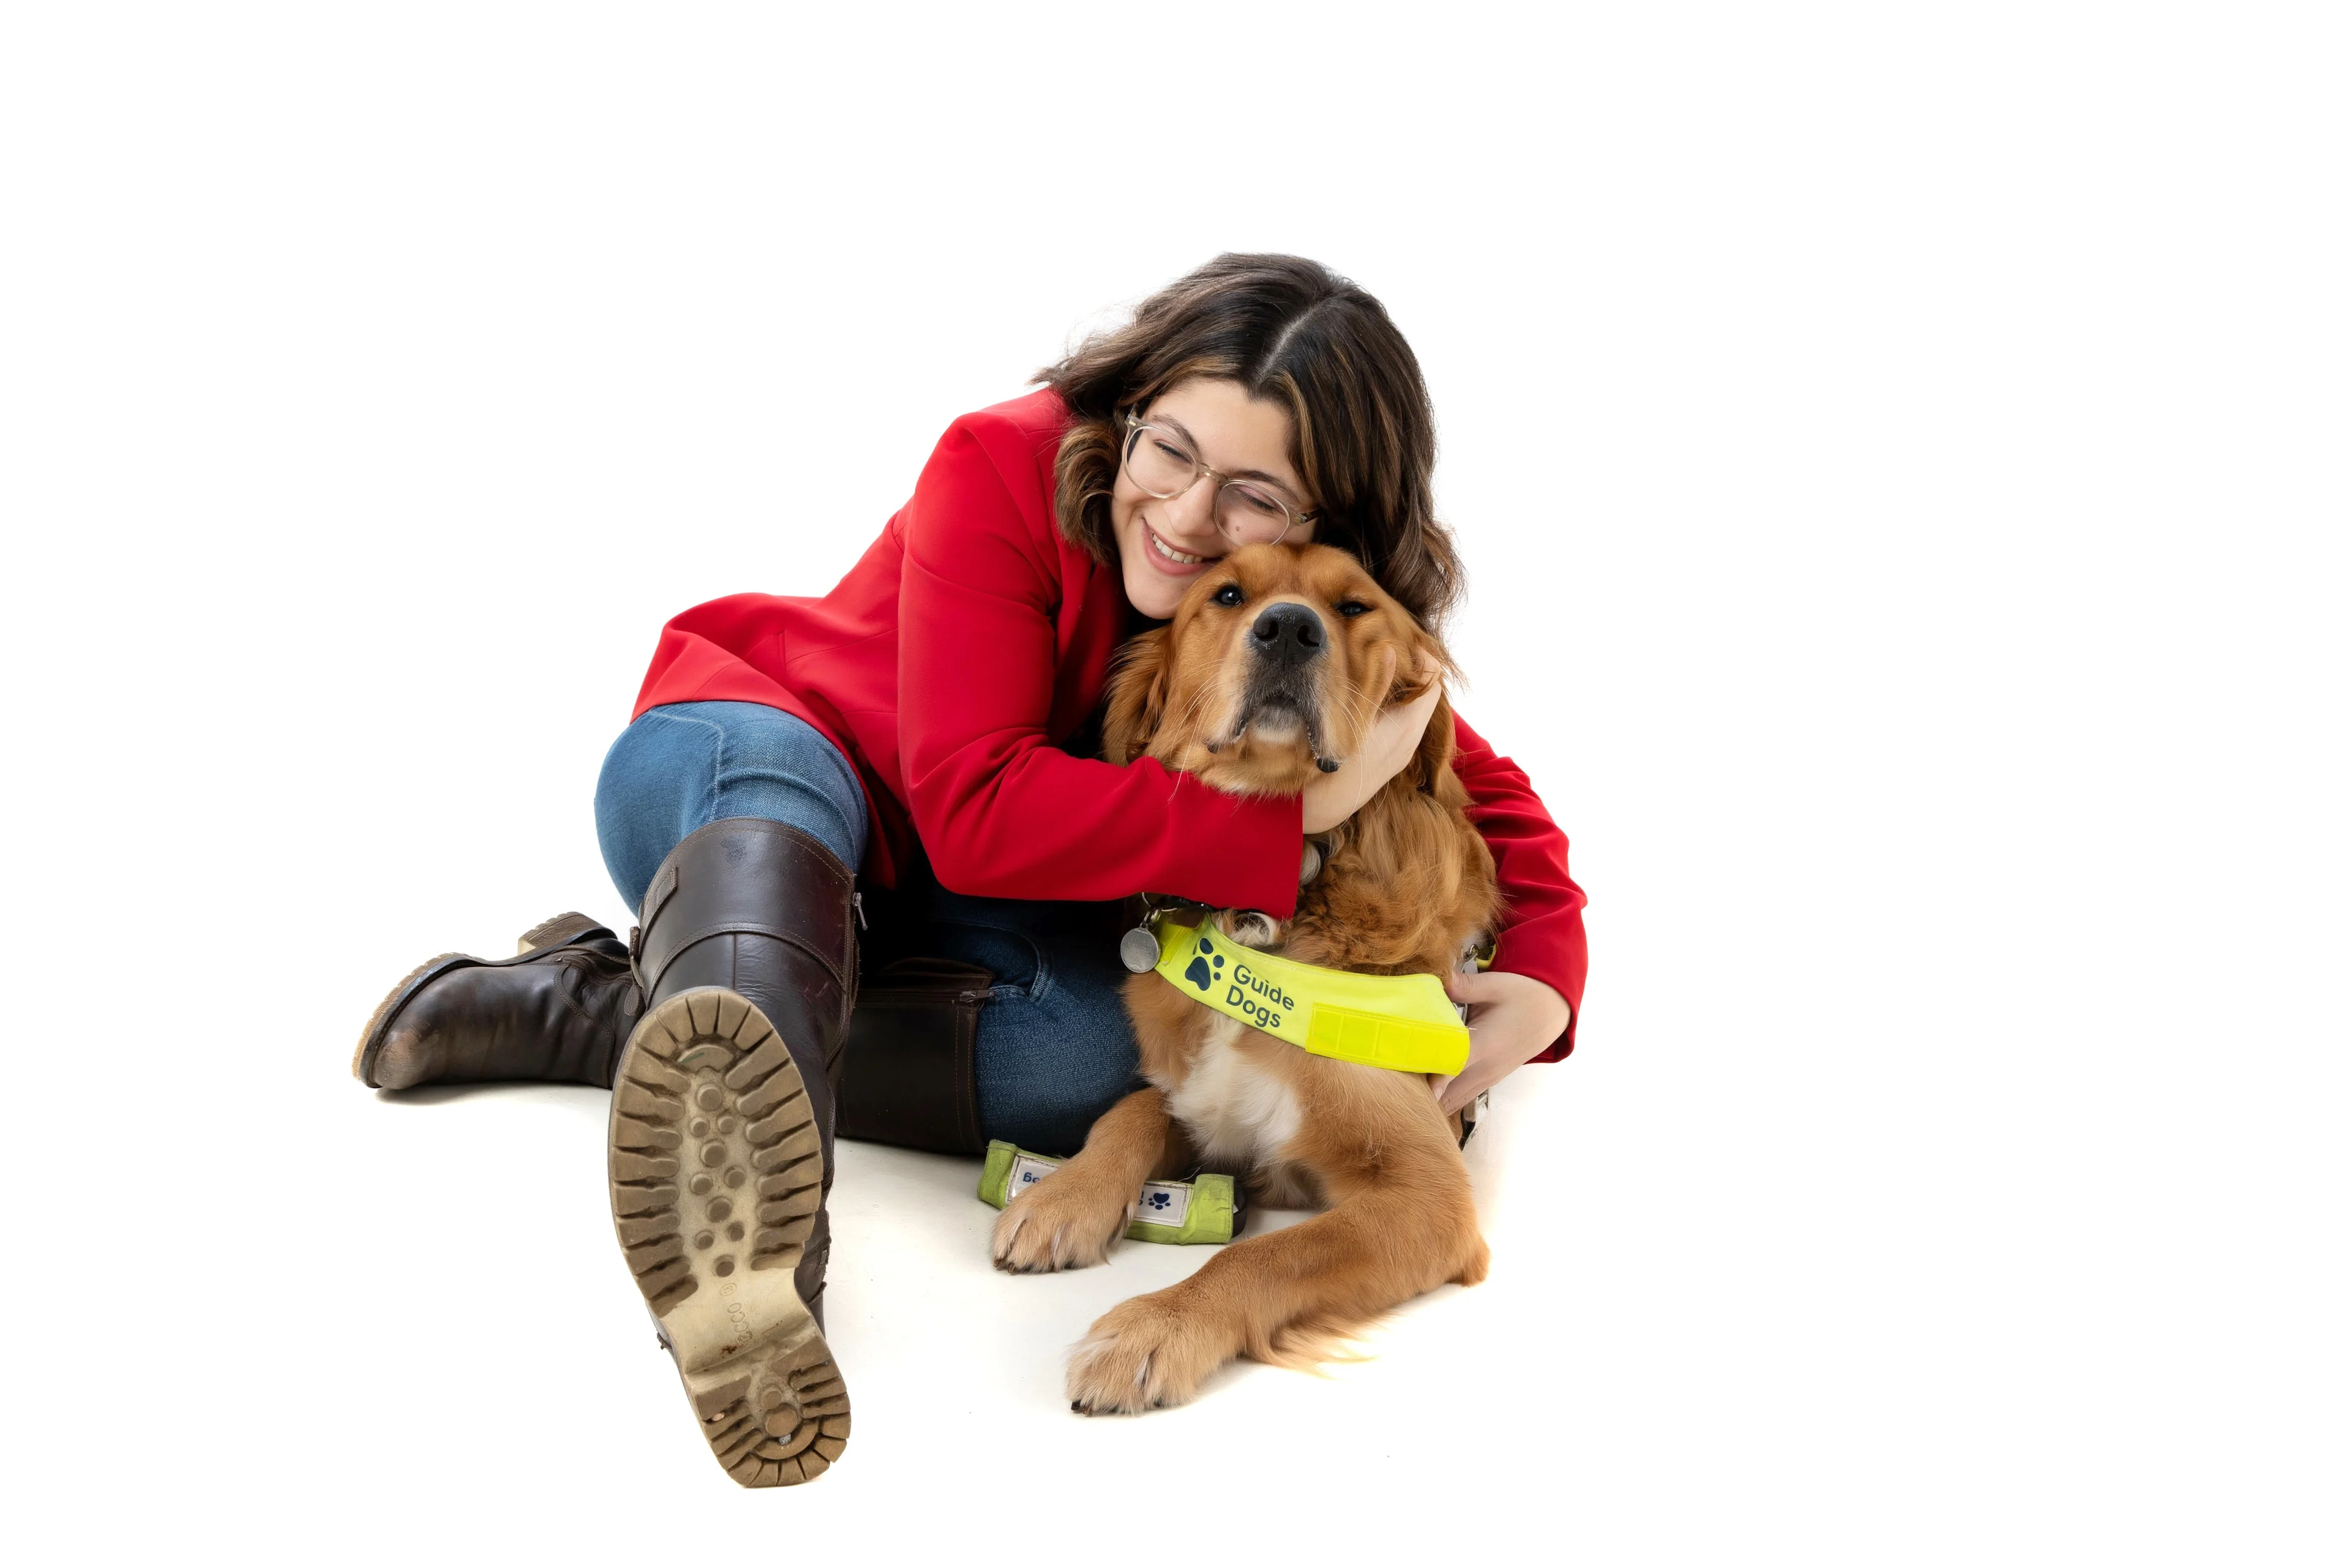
{"points": [[1406, 886]]}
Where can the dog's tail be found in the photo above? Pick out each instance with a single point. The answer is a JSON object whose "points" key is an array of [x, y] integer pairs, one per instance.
{"points": [[1314, 1339]]}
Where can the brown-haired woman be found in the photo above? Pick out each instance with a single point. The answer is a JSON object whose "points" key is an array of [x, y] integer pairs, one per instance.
{"points": [[924, 732]]}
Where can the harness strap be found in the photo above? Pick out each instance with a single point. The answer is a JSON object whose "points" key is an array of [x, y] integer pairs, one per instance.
{"points": [[1403, 1022]]}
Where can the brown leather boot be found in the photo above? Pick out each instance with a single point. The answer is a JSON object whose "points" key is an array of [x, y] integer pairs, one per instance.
{"points": [[554, 1013], [722, 1135]]}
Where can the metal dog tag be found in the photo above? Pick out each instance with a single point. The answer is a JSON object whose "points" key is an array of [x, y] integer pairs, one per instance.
{"points": [[1139, 950]]}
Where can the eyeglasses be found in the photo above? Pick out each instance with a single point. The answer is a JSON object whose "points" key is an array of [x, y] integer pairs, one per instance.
{"points": [[1164, 466]]}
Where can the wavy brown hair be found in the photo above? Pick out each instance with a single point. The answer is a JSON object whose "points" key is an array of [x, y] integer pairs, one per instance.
{"points": [[1294, 333]]}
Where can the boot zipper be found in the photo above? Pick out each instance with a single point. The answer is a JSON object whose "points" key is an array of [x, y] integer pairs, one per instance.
{"points": [[857, 902]]}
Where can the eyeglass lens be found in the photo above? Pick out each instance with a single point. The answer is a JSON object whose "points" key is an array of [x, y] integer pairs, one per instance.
{"points": [[1162, 466]]}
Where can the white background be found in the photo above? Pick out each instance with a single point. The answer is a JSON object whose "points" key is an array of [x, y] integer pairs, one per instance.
{"points": [[1900, 455]]}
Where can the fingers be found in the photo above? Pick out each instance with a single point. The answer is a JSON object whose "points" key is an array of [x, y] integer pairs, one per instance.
{"points": [[1476, 986], [1453, 1092], [1405, 722], [1425, 684], [1458, 1092]]}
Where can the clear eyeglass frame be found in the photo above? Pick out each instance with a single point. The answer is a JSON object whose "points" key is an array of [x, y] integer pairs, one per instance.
{"points": [[1235, 496]]}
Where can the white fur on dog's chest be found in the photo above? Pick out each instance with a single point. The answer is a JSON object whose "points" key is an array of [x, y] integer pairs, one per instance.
{"points": [[1239, 1115]]}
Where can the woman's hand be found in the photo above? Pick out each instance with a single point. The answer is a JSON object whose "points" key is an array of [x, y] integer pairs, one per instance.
{"points": [[1330, 798], [1511, 1016]]}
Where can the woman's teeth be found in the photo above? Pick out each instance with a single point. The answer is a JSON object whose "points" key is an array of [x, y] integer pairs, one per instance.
{"points": [[1178, 557]]}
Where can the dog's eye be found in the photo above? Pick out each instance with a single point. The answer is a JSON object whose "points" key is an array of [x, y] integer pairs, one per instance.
{"points": [[1230, 594], [1353, 608]]}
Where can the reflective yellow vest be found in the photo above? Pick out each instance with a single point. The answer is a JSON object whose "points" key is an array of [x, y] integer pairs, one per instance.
{"points": [[1401, 1021]]}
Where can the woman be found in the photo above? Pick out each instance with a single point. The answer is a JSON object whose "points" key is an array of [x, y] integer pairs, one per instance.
{"points": [[926, 727]]}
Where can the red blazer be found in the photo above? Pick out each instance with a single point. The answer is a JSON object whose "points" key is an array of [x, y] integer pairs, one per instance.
{"points": [[969, 640]]}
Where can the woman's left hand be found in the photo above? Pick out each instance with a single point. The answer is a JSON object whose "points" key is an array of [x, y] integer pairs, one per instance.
{"points": [[1511, 1016]]}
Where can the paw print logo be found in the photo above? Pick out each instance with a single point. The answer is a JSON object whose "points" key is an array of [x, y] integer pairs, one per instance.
{"points": [[1200, 973], [1160, 1200]]}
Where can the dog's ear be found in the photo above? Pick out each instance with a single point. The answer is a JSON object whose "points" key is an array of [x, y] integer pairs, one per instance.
{"points": [[1431, 768], [1422, 662], [1138, 698]]}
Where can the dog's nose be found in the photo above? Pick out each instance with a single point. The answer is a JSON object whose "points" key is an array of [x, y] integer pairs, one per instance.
{"points": [[1287, 633]]}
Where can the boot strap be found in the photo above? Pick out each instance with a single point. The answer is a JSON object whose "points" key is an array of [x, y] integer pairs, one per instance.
{"points": [[778, 882]]}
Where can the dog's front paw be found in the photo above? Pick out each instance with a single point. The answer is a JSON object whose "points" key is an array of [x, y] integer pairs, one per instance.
{"points": [[1142, 1355], [1060, 1223]]}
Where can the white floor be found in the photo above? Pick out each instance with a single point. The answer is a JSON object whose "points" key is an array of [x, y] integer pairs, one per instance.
{"points": [[517, 1382], [1733, 1316]]}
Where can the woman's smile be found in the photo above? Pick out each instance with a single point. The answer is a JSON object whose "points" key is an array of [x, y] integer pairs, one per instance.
{"points": [[1168, 558]]}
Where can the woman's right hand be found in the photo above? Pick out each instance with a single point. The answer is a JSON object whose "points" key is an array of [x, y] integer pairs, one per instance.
{"points": [[1330, 798]]}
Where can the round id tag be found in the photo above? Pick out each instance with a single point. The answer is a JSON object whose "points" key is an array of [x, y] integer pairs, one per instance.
{"points": [[1139, 950]]}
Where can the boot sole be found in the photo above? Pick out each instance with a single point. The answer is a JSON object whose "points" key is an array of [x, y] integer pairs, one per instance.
{"points": [[716, 1174], [554, 931]]}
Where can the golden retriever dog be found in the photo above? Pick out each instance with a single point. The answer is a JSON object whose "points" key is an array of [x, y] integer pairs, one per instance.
{"points": [[1275, 665]]}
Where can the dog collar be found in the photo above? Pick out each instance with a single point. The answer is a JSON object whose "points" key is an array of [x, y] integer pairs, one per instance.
{"points": [[1402, 1022]]}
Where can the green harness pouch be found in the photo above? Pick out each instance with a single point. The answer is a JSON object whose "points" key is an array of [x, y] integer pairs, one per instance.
{"points": [[1207, 1209]]}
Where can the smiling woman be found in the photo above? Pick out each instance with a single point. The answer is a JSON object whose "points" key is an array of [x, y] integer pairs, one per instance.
{"points": [[1315, 400], [919, 735], [1173, 511]]}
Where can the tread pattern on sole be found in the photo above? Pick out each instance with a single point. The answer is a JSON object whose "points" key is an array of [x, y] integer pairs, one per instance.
{"points": [[779, 1424], [716, 1175]]}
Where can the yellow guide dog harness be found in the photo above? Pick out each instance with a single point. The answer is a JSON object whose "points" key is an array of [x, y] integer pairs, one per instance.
{"points": [[1401, 1021]]}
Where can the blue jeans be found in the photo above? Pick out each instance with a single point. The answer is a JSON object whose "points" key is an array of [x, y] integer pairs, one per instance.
{"points": [[1055, 1049]]}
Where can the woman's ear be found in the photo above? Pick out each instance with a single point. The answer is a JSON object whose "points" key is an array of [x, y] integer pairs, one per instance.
{"points": [[1138, 696]]}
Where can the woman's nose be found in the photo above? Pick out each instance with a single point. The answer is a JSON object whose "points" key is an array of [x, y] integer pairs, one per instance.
{"points": [[1194, 511]]}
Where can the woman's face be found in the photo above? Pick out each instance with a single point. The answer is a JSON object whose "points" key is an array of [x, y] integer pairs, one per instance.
{"points": [[1164, 545]]}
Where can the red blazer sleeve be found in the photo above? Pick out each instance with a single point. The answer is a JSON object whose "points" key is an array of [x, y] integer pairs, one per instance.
{"points": [[1542, 909], [1000, 810]]}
